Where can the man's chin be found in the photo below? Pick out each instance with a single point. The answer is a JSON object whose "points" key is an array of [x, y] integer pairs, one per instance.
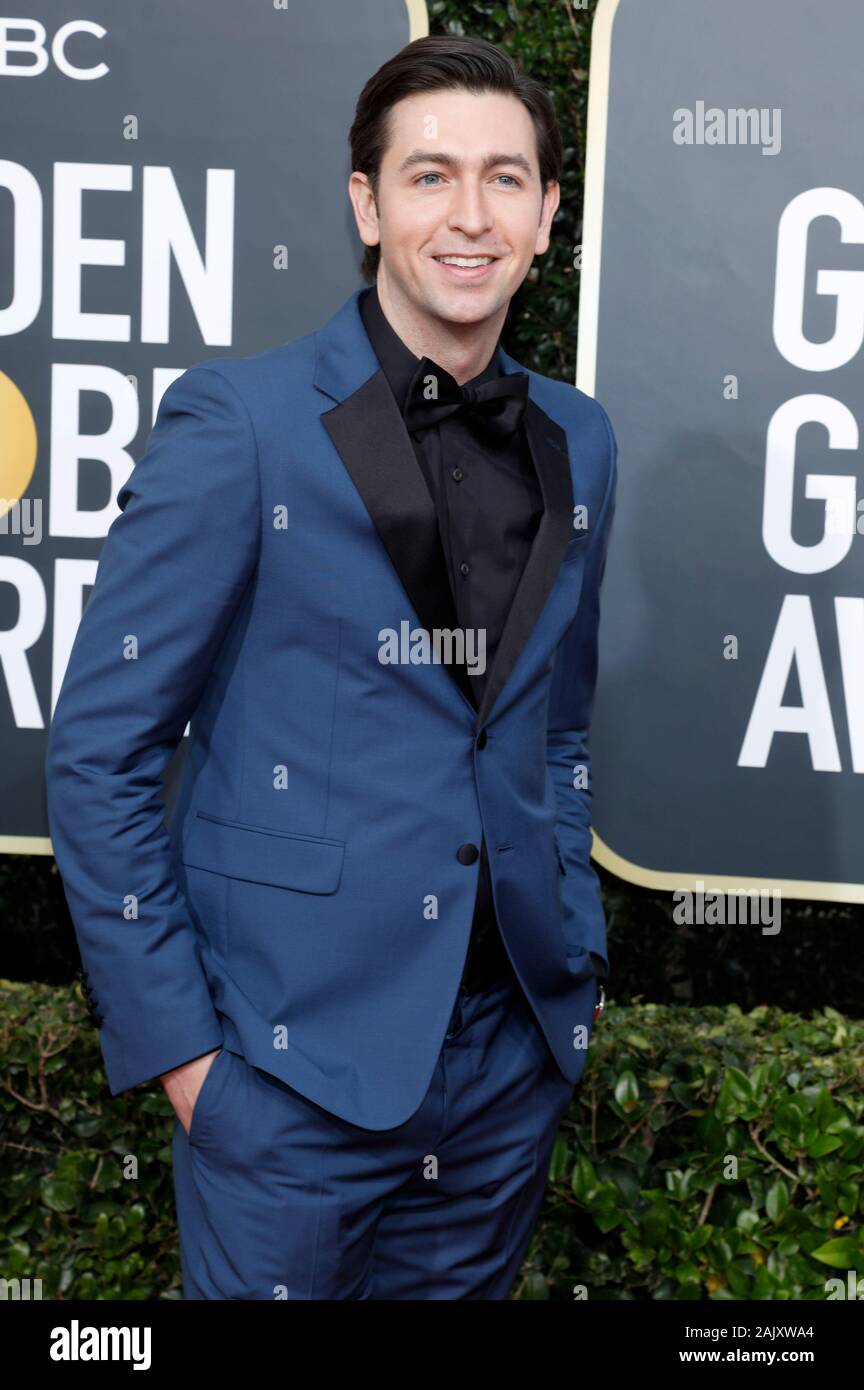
{"points": [[461, 305]]}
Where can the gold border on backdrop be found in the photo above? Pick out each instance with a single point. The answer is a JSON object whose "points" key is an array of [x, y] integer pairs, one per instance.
{"points": [[418, 28], [25, 844], [418, 19], [592, 207], [586, 380]]}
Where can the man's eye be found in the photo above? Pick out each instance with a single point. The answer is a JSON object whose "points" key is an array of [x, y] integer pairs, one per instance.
{"points": [[514, 181], [427, 176]]}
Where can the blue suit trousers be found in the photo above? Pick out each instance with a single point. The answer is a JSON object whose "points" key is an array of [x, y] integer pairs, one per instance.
{"points": [[278, 1198]]}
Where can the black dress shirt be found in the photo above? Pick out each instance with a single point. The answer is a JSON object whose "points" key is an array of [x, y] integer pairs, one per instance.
{"points": [[488, 503]]}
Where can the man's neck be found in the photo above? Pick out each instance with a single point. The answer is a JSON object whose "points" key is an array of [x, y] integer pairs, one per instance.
{"points": [[462, 349]]}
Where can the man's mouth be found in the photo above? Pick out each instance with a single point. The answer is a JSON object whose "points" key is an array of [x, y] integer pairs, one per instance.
{"points": [[467, 262], [466, 268]]}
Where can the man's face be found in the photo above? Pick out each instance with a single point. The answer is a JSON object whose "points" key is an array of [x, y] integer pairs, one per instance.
{"points": [[459, 177]]}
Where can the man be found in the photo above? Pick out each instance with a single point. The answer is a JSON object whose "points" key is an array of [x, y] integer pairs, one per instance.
{"points": [[365, 565]]}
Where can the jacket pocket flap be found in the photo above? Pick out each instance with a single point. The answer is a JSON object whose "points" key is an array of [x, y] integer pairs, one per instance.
{"points": [[304, 862]]}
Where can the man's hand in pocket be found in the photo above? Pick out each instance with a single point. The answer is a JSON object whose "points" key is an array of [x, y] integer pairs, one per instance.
{"points": [[183, 1084]]}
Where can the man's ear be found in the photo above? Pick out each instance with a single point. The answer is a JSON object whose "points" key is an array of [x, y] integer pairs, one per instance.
{"points": [[551, 199], [365, 209]]}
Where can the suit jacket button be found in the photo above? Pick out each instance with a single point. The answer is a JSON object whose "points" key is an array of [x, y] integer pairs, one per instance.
{"points": [[481, 739], [466, 854]]}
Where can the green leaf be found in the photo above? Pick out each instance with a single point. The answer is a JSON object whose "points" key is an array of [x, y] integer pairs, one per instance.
{"points": [[825, 1144], [777, 1200], [842, 1253], [58, 1195], [627, 1090]]}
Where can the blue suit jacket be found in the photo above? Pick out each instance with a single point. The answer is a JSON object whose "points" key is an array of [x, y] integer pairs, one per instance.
{"points": [[306, 906]]}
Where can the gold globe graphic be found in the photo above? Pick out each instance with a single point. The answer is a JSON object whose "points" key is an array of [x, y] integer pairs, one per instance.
{"points": [[18, 444]]}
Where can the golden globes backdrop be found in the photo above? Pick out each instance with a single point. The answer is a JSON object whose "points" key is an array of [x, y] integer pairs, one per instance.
{"points": [[172, 188], [722, 326]]}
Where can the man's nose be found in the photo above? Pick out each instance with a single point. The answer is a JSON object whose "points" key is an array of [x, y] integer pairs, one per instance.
{"points": [[469, 210]]}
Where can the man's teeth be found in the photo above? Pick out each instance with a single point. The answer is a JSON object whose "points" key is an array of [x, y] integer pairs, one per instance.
{"points": [[467, 261]]}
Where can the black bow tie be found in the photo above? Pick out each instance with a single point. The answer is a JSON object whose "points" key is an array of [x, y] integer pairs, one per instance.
{"points": [[497, 405]]}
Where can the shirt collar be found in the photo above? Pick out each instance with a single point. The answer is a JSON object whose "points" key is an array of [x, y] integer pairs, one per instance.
{"points": [[398, 362]]}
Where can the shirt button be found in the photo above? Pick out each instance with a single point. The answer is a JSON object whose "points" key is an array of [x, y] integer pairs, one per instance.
{"points": [[457, 474], [464, 568], [466, 854]]}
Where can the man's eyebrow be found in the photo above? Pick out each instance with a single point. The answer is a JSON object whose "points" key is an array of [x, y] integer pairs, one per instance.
{"points": [[489, 161]]}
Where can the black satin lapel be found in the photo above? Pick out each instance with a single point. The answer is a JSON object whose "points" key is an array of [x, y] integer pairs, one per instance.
{"points": [[370, 435], [548, 444]]}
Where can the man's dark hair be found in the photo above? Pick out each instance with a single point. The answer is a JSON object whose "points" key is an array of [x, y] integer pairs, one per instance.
{"points": [[441, 63]]}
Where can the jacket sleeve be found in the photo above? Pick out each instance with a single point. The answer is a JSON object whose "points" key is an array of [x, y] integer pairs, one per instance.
{"points": [[571, 703], [172, 572]]}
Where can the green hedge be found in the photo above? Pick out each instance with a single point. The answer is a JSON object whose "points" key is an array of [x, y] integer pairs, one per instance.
{"points": [[707, 1154]]}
